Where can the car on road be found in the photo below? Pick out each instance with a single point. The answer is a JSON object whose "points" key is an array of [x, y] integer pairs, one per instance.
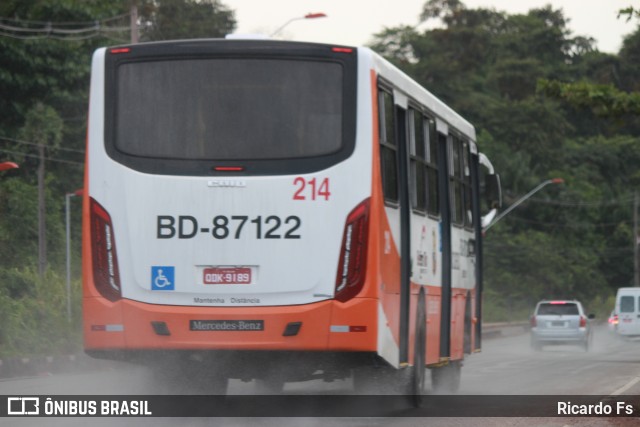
{"points": [[560, 322]]}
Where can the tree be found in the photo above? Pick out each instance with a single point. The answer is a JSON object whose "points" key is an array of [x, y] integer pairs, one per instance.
{"points": [[612, 99], [42, 127], [630, 12], [183, 19], [603, 100]]}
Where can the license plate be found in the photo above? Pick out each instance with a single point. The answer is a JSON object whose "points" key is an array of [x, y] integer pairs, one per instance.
{"points": [[557, 323], [226, 275]]}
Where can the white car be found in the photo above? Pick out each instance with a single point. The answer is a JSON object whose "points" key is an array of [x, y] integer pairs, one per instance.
{"points": [[560, 322]]}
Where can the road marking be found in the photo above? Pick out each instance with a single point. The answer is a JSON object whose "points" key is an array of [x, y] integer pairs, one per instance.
{"points": [[626, 387]]}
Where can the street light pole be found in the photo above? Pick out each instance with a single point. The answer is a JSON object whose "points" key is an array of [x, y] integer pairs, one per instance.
{"points": [[307, 16], [67, 198], [636, 242], [522, 199], [133, 20]]}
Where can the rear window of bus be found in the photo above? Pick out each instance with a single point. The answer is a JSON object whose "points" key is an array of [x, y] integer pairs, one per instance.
{"points": [[229, 109]]}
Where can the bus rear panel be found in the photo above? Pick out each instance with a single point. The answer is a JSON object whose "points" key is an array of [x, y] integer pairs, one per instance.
{"points": [[223, 207]]}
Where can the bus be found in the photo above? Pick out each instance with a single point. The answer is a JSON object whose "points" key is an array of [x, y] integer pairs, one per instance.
{"points": [[280, 211]]}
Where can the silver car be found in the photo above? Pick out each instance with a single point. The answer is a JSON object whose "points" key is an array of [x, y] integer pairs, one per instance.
{"points": [[560, 322]]}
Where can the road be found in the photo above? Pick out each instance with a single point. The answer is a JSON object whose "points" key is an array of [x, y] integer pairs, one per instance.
{"points": [[506, 366]]}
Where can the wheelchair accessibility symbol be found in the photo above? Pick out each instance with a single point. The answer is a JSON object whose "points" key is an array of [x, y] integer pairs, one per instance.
{"points": [[162, 278]]}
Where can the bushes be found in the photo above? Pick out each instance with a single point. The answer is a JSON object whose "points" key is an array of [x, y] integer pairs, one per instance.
{"points": [[33, 314], [498, 307]]}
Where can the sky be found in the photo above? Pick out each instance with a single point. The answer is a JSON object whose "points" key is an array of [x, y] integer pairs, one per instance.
{"points": [[353, 22]]}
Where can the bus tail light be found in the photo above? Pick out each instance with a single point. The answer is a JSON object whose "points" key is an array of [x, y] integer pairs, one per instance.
{"points": [[353, 253], [106, 276]]}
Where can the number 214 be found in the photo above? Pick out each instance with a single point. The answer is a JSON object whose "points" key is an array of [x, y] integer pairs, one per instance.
{"points": [[312, 189]]}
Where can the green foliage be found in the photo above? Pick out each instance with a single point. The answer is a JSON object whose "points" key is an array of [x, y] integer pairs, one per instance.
{"points": [[43, 126], [555, 267], [34, 314], [603, 100], [630, 12], [183, 19]]}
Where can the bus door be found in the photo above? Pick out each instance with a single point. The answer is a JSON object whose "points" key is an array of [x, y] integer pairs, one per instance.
{"points": [[445, 239], [405, 226], [426, 257], [394, 171]]}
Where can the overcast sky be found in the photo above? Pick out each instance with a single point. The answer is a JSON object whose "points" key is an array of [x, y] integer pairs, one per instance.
{"points": [[353, 22]]}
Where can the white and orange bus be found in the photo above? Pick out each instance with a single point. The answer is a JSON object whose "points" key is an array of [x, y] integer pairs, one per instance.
{"points": [[279, 211]]}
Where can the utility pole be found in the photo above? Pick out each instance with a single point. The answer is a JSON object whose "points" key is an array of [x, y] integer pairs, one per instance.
{"points": [[42, 227], [636, 239], [134, 22]]}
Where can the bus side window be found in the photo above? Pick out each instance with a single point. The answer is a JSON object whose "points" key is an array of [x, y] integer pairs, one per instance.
{"points": [[418, 161], [466, 184], [388, 147], [456, 179], [433, 194]]}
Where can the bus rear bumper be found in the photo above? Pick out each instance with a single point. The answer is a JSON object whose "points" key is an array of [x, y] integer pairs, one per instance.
{"points": [[324, 326]]}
